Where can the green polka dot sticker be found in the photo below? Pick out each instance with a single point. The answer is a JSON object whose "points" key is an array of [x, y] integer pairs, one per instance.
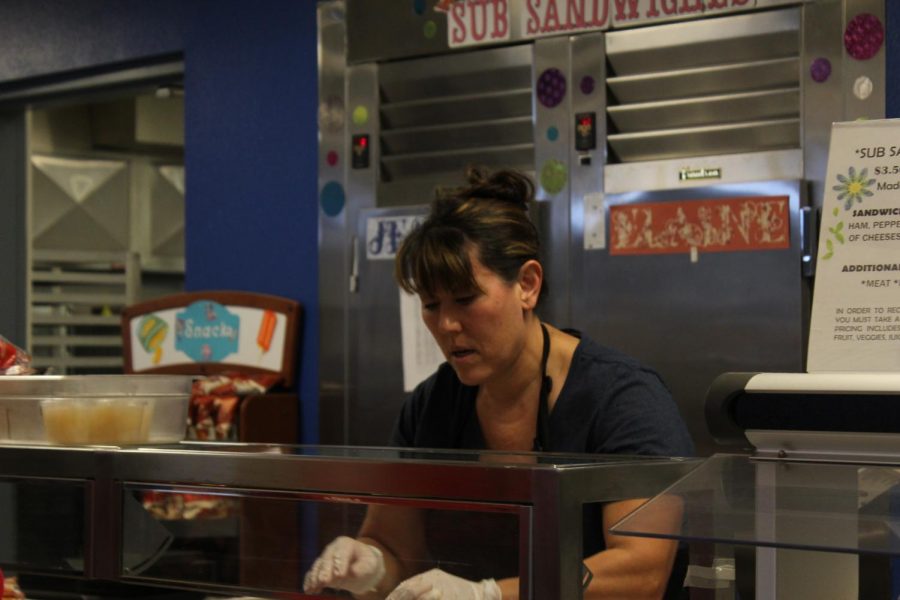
{"points": [[429, 29], [360, 115], [553, 176]]}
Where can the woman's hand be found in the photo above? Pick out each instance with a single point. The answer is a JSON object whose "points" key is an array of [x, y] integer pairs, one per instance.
{"points": [[346, 564], [439, 585]]}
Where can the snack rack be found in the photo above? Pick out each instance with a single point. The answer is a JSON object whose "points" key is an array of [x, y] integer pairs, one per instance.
{"points": [[153, 331], [159, 337]]}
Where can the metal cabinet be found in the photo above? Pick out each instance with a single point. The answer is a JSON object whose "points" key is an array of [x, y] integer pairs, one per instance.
{"points": [[269, 509]]}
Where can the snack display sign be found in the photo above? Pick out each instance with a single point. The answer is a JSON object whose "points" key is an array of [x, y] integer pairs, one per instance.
{"points": [[856, 306], [208, 332]]}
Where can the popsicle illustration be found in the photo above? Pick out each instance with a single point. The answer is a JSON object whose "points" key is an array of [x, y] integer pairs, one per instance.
{"points": [[152, 332], [266, 331]]}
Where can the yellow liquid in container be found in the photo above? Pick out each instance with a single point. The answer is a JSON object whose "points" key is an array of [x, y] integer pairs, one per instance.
{"points": [[96, 421]]}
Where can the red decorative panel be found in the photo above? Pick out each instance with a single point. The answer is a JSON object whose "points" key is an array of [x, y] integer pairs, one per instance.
{"points": [[718, 225]]}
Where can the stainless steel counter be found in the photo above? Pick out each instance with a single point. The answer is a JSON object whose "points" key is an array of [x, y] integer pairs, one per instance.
{"points": [[252, 518]]}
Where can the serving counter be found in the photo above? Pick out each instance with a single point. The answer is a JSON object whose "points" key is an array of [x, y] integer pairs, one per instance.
{"points": [[251, 519]]}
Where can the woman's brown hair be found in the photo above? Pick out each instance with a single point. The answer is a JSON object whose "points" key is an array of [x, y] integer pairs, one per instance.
{"points": [[491, 214]]}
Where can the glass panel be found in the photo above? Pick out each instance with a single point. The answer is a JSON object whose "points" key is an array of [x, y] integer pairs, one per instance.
{"points": [[801, 505], [42, 525], [255, 541], [526, 459]]}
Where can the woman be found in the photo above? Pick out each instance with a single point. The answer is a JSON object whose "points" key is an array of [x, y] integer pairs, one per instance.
{"points": [[511, 382]]}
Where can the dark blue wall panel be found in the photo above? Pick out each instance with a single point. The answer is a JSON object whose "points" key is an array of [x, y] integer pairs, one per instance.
{"points": [[251, 140], [41, 37]]}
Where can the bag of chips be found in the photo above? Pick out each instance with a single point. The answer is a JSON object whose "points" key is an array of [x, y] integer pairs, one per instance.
{"points": [[14, 360]]}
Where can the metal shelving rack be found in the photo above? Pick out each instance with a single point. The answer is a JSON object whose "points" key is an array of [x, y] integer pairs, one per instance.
{"points": [[76, 300]]}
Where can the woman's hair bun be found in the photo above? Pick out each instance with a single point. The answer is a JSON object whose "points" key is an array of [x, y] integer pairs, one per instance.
{"points": [[505, 184]]}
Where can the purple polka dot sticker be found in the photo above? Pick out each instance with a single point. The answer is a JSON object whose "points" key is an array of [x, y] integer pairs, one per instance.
{"points": [[820, 70], [331, 158], [551, 87], [587, 85], [864, 36]]}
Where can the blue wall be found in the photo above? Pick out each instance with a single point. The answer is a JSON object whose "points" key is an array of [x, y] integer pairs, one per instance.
{"points": [[250, 129]]}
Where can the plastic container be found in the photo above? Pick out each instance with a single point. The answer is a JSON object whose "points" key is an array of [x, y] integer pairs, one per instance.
{"points": [[94, 409]]}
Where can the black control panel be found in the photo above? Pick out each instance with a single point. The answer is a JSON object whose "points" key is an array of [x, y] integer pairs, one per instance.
{"points": [[585, 131], [360, 151]]}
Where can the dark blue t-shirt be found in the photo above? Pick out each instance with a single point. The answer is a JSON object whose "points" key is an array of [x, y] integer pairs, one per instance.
{"points": [[609, 404]]}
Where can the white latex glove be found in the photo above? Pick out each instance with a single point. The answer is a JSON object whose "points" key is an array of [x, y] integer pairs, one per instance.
{"points": [[345, 564], [440, 585]]}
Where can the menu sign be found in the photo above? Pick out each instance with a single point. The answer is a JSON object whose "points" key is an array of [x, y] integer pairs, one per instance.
{"points": [[856, 308]]}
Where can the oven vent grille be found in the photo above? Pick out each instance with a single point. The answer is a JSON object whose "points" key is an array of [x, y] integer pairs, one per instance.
{"points": [[440, 114], [708, 87]]}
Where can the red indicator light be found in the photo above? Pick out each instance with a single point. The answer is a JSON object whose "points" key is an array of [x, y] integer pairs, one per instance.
{"points": [[363, 142]]}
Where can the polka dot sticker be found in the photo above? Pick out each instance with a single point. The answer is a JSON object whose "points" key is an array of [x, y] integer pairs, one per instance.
{"points": [[360, 115], [331, 114], [332, 198], [553, 176], [864, 36], [820, 70], [551, 87], [862, 87], [331, 158], [587, 85], [429, 29], [552, 133], [419, 6]]}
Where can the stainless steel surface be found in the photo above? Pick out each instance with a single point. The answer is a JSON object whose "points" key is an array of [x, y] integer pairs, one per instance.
{"points": [[833, 99], [368, 43], [699, 81], [869, 448], [692, 320], [547, 488], [440, 114], [732, 39], [37, 387], [870, 73], [707, 140], [376, 394], [712, 86], [554, 53], [334, 239], [689, 112], [587, 175], [731, 168]]}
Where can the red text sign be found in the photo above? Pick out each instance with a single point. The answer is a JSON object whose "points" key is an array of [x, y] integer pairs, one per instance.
{"points": [[720, 225], [472, 22]]}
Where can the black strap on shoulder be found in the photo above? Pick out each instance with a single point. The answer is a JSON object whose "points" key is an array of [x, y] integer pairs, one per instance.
{"points": [[542, 428]]}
